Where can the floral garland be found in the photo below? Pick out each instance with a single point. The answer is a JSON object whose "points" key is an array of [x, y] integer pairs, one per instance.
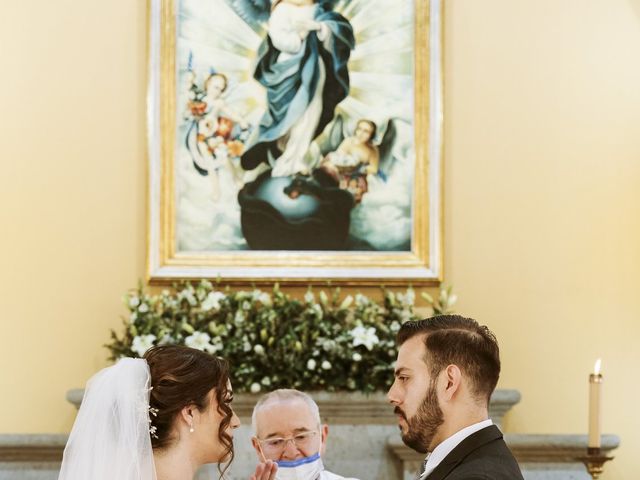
{"points": [[274, 341]]}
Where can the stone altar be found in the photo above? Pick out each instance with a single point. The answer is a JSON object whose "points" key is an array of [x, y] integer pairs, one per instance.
{"points": [[363, 443]]}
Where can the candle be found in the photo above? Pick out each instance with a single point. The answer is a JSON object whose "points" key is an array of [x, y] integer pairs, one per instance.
{"points": [[595, 385]]}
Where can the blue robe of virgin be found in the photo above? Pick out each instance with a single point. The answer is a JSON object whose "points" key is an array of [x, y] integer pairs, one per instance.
{"points": [[291, 84]]}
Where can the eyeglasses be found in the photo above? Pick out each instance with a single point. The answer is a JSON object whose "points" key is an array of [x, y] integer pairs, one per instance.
{"points": [[302, 441]]}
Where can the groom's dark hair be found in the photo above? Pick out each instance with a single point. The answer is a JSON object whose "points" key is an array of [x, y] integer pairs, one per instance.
{"points": [[453, 339]]}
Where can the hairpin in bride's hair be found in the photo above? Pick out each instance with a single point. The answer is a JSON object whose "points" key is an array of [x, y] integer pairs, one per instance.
{"points": [[153, 412], [152, 428]]}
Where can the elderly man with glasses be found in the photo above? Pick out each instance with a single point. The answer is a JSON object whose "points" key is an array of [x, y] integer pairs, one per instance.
{"points": [[288, 430]]}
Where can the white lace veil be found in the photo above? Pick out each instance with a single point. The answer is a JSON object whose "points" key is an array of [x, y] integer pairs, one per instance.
{"points": [[110, 437]]}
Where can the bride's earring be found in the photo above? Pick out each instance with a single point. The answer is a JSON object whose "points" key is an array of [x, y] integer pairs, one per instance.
{"points": [[191, 428]]}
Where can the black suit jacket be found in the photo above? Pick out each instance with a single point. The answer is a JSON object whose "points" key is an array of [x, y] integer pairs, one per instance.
{"points": [[483, 455]]}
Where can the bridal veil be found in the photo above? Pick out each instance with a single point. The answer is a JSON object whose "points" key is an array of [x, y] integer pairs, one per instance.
{"points": [[110, 437]]}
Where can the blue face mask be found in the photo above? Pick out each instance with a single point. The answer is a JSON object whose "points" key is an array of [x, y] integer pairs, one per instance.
{"points": [[307, 468]]}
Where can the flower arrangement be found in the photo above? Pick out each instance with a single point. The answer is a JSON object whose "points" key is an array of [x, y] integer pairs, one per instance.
{"points": [[275, 341]]}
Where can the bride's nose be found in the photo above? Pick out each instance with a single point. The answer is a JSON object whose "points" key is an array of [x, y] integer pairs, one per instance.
{"points": [[235, 421]]}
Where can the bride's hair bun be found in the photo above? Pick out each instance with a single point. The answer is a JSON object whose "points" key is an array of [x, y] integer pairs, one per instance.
{"points": [[183, 376]]}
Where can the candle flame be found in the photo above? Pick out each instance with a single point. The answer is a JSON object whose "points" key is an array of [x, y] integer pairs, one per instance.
{"points": [[596, 368]]}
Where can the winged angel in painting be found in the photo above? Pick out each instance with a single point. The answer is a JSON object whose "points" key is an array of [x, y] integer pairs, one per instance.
{"points": [[286, 124]]}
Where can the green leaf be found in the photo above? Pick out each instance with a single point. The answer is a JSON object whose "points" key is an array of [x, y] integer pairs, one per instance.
{"points": [[292, 332]]}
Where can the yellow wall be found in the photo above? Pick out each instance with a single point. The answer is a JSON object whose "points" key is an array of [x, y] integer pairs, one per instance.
{"points": [[542, 122], [542, 199]]}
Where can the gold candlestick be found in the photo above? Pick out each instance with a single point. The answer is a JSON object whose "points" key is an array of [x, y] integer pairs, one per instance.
{"points": [[594, 462]]}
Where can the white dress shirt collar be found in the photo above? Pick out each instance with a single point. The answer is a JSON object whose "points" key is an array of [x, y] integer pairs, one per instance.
{"points": [[441, 451]]}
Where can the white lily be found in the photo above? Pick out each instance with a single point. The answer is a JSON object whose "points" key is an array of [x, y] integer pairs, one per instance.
{"points": [[364, 336]]}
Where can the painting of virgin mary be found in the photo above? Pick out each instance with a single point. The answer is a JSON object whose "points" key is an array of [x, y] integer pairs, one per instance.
{"points": [[289, 172]]}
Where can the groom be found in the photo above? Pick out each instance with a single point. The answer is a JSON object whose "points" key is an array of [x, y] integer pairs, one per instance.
{"points": [[447, 369]]}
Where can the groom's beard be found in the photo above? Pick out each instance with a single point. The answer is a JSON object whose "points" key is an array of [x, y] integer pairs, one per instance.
{"points": [[423, 426]]}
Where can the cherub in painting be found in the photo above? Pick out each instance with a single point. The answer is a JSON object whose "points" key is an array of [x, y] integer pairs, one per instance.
{"points": [[355, 158], [209, 139]]}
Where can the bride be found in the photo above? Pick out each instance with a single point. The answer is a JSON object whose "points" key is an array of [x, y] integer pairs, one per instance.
{"points": [[156, 418]]}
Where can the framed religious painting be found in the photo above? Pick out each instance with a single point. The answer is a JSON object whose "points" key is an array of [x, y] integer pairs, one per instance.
{"points": [[295, 140]]}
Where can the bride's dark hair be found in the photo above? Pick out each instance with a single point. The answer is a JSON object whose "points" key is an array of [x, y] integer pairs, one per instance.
{"points": [[182, 376]]}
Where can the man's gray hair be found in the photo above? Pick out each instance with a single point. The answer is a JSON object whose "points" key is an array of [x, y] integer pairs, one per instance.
{"points": [[284, 395]]}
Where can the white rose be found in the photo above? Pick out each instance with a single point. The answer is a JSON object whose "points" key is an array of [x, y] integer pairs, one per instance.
{"points": [[258, 349], [356, 357], [142, 343], [326, 365], [187, 294], [266, 381], [212, 302], [309, 297], [198, 340], [255, 388], [311, 364], [143, 308], [134, 301]]}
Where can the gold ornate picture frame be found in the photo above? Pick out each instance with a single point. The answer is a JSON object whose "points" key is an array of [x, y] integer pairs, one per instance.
{"points": [[212, 113]]}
